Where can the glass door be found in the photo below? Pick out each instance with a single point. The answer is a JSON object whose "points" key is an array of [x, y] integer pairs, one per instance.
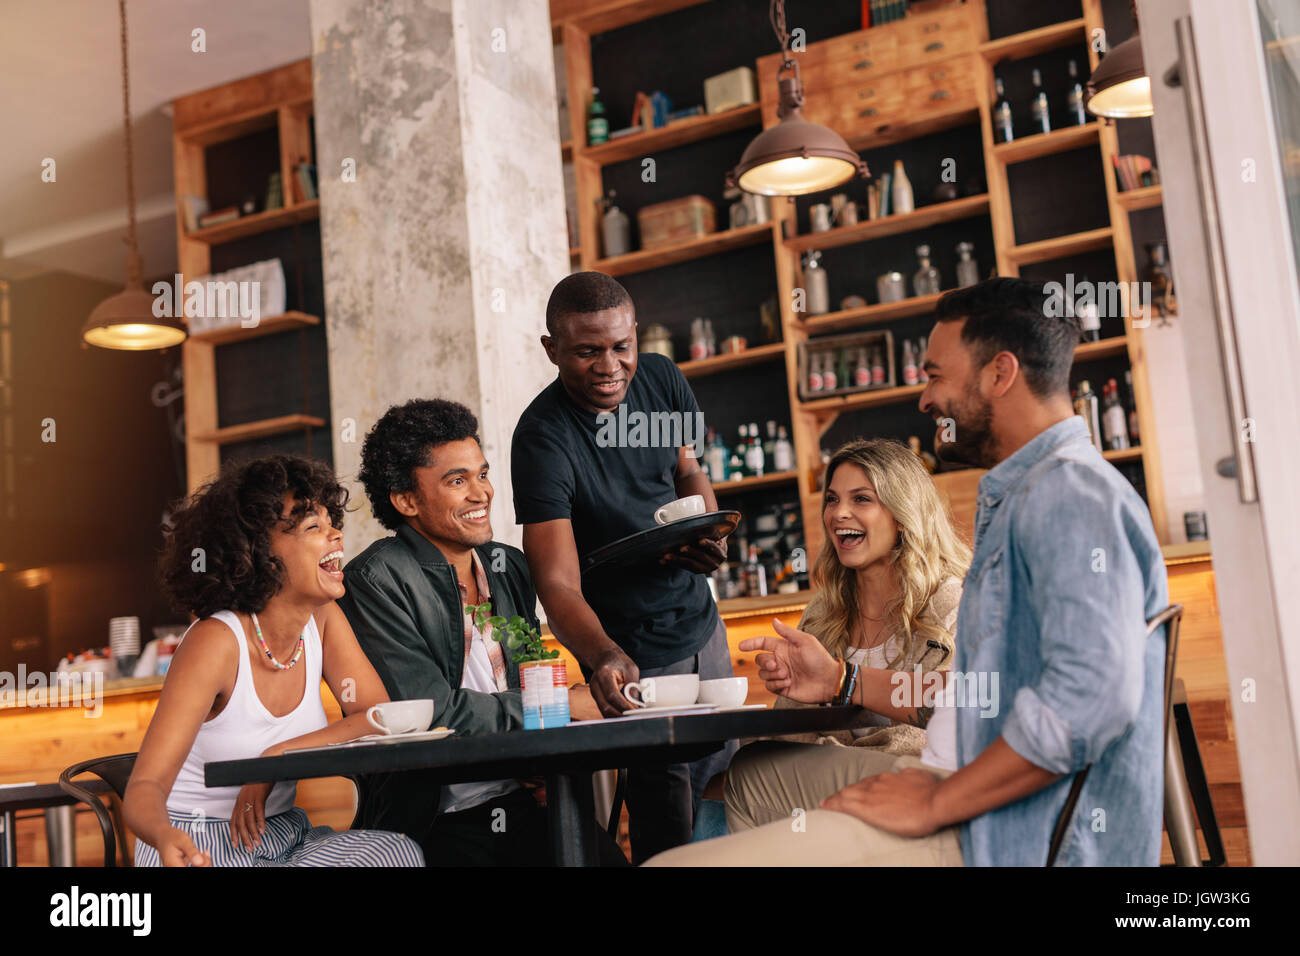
{"points": [[1226, 125]]}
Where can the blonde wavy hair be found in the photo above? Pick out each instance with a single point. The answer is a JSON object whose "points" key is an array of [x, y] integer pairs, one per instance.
{"points": [[929, 552]]}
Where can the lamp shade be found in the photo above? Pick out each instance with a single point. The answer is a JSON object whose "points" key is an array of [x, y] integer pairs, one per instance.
{"points": [[1120, 88], [794, 158], [126, 321]]}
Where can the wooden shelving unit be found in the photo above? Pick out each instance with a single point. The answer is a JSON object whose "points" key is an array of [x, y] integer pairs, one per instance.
{"points": [[724, 363], [267, 326], [715, 242], [683, 131], [1045, 144], [923, 218], [1144, 197], [759, 481], [810, 420], [280, 99]]}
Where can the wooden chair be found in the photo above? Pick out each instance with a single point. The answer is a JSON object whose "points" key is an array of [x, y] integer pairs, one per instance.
{"points": [[114, 771], [1180, 820]]}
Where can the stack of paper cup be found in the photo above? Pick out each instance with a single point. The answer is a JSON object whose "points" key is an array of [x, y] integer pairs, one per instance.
{"points": [[124, 642]]}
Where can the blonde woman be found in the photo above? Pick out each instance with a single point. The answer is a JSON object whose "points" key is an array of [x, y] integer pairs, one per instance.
{"points": [[887, 583]]}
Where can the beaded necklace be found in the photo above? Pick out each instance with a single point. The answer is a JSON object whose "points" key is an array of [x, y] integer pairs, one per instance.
{"points": [[267, 651]]}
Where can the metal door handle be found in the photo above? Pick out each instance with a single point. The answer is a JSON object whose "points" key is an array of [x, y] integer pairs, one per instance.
{"points": [[1190, 74], [862, 65], [936, 45]]}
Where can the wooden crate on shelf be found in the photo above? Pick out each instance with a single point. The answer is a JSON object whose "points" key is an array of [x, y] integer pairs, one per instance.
{"points": [[877, 339], [674, 221]]}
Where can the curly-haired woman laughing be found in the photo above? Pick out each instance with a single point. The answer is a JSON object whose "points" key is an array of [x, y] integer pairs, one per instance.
{"points": [[256, 556]]}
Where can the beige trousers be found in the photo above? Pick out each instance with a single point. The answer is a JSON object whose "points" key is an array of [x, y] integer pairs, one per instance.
{"points": [[773, 791]]}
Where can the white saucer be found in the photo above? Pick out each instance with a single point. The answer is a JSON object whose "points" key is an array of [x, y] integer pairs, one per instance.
{"points": [[436, 734], [670, 711]]}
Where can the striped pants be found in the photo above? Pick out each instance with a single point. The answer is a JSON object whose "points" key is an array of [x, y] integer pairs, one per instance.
{"points": [[291, 840]]}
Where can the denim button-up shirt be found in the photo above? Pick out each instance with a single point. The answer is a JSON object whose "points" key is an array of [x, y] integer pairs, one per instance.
{"points": [[1065, 573]]}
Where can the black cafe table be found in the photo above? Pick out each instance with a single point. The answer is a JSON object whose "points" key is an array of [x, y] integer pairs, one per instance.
{"points": [[566, 756]]}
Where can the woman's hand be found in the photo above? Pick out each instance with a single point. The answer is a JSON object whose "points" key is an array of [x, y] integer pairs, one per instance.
{"points": [[177, 849], [248, 819], [796, 665]]}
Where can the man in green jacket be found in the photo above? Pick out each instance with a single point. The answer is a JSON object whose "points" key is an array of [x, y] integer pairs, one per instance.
{"points": [[427, 480]]}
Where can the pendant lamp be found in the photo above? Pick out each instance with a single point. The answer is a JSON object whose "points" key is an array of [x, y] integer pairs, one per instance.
{"points": [[794, 157], [126, 320], [1120, 88]]}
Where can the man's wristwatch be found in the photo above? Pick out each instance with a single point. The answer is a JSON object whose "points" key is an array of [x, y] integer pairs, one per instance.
{"points": [[845, 696]]}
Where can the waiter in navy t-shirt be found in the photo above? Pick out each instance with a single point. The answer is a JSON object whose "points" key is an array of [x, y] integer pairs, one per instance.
{"points": [[591, 465]]}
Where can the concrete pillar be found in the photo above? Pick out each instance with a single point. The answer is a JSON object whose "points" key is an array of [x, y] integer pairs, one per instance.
{"points": [[440, 252]]}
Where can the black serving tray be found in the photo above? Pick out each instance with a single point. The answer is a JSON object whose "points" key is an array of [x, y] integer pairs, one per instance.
{"points": [[646, 547]]}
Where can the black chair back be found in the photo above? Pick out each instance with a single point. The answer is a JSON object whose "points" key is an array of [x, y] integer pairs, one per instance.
{"points": [[1171, 617], [114, 771]]}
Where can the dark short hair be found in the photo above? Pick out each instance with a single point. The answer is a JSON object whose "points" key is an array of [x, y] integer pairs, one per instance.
{"points": [[231, 520], [582, 293], [1012, 315], [402, 441]]}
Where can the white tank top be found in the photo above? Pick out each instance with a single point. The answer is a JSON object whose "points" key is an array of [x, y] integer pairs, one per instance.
{"points": [[245, 728]]}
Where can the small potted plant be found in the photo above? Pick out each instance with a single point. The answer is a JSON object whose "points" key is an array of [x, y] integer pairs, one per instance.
{"points": [[542, 675]]}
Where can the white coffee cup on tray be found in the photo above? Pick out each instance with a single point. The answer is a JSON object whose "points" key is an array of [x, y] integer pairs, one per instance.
{"points": [[726, 692], [401, 716], [672, 690], [681, 508]]}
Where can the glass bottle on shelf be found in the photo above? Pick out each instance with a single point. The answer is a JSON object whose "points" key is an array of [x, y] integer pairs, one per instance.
{"points": [[861, 369], [815, 381], [901, 189], [1074, 101], [1003, 130], [830, 382], [926, 279], [968, 270], [920, 360], [1085, 307], [597, 121], [740, 455], [1114, 424], [1085, 406], [699, 349], [755, 574], [783, 452], [928, 461], [877, 366], [615, 228], [842, 372], [1130, 404], [769, 449], [1038, 106], [710, 340], [818, 287], [754, 453], [910, 374]]}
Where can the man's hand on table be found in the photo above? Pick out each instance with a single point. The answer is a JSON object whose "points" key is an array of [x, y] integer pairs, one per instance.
{"points": [[901, 802], [582, 706], [702, 557], [610, 673], [796, 665]]}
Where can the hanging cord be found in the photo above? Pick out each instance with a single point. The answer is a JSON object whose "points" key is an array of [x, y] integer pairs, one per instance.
{"points": [[134, 268]]}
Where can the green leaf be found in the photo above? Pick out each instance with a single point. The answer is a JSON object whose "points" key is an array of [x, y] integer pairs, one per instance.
{"points": [[518, 622], [513, 642], [497, 621]]}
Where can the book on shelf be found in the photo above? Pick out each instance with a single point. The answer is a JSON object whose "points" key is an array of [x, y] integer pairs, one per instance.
{"points": [[193, 207], [1134, 172], [218, 216], [274, 193], [306, 175]]}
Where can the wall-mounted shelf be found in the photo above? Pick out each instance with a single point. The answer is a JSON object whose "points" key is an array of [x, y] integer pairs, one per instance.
{"points": [[1045, 144], [1020, 46], [267, 326], [263, 428], [723, 363], [751, 483], [256, 223], [1059, 247], [689, 130], [715, 242], [1144, 197], [923, 218], [870, 314]]}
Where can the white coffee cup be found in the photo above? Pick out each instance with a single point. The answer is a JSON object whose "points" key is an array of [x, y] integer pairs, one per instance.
{"points": [[679, 509], [401, 716], [674, 690], [725, 692]]}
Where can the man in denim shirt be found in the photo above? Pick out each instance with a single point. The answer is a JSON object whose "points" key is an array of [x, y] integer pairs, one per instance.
{"points": [[1052, 624]]}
